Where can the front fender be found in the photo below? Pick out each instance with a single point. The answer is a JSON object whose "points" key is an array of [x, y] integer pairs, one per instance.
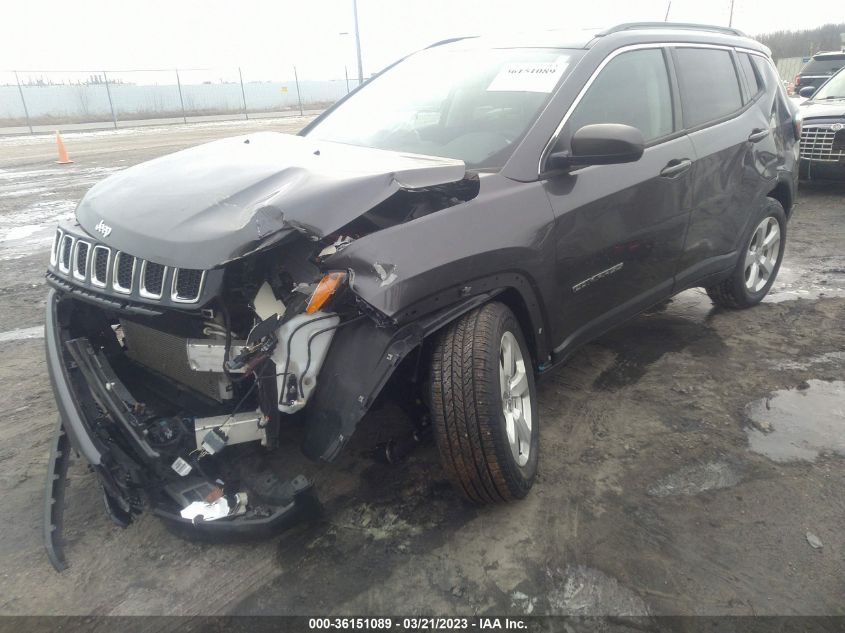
{"points": [[500, 239], [360, 361]]}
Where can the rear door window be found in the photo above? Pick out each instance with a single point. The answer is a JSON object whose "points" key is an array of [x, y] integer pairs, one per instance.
{"points": [[633, 89], [709, 84]]}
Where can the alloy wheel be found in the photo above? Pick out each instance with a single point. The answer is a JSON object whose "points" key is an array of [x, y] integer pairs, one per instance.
{"points": [[762, 254], [516, 397]]}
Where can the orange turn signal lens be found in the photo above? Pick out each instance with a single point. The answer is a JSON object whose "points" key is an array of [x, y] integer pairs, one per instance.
{"points": [[325, 289]]}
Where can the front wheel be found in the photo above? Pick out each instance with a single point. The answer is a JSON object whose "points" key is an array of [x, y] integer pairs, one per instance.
{"points": [[759, 261], [484, 405]]}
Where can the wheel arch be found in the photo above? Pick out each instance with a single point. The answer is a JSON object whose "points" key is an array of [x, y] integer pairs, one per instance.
{"points": [[341, 398], [783, 193], [532, 331]]}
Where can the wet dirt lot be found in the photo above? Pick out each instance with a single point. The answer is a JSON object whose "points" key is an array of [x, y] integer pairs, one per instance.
{"points": [[692, 461]]}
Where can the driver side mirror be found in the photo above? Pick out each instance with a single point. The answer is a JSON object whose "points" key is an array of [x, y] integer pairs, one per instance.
{"points": [[599, 144], [807, 92]]}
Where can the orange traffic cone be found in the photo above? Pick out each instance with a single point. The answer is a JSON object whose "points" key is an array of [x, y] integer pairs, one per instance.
{"points": [[64, 159]]}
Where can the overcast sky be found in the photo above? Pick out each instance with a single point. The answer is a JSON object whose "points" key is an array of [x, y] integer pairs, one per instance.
{"points": [[268, 37]]}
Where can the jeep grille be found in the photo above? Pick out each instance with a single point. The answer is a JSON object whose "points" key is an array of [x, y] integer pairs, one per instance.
{"points": [[100, 266]]}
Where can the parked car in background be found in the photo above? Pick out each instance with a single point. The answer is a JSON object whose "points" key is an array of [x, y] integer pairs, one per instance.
{"points": [[820, 68], [456, 226], [822, 119]]}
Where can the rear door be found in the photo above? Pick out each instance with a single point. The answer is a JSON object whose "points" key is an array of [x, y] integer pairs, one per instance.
{"points": [[724, 128], [619, 229]]}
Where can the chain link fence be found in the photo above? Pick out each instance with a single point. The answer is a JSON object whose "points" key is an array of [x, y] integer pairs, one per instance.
{"points": [[29, 99]]}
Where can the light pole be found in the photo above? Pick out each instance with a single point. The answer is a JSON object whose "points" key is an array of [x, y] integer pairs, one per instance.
{"points": [[343, 52], [358, 43]]}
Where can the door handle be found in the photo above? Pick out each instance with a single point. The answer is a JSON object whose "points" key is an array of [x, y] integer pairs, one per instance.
{"points": [[757, 135], [676, 167]]}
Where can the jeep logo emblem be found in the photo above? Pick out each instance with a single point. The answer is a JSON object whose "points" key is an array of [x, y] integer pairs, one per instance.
{"points": [[103, 228]]}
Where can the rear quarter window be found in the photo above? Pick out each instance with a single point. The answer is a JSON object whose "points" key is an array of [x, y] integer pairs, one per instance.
{"points": [[709, 84], [767, 70], [752, 80]]}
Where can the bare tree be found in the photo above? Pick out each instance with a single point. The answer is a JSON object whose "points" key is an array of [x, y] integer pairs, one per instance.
{"points": [[804, 43]]}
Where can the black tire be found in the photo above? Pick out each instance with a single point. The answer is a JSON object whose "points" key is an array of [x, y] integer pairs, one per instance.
{"points": [[467, 407], [733, 292]]}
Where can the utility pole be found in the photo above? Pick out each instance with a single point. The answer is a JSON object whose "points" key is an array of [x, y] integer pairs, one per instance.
{"points": [[243, 93], [181, 100], [358, 43], [111, 104], [731, 18], [23, 101], [298, 93]]}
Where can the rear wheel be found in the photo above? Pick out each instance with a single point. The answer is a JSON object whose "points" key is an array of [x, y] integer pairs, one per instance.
{"points": [[484, 406], [759, 261]]}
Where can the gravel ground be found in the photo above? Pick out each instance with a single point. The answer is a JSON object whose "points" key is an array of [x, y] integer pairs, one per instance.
{"points": [[692, 461]]}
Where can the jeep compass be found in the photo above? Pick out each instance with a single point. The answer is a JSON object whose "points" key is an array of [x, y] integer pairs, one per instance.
{"points": [[442, 236]]}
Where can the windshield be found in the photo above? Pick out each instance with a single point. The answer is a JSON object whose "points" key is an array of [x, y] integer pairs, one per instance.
{"points": [[833, 89], [470, 104]]}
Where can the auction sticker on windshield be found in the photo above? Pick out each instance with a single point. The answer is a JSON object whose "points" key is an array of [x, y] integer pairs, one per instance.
{"points": [[528, 76]]}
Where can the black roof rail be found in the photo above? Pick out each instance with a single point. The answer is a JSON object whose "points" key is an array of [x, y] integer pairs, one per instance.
{"points": [[630, 26]]}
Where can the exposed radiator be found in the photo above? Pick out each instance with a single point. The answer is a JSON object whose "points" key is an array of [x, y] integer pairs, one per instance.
{"points": [[167, 354]]}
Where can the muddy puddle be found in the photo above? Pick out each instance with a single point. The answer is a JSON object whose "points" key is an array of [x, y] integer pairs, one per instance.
{"points": [[799, 424], [584, 591], [696, 478], [824, 278]]}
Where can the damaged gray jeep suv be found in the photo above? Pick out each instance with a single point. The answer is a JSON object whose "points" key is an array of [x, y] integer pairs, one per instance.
{"points": [[447, 232]]}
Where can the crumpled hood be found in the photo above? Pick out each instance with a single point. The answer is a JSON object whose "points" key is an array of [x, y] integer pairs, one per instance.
{"points": [[819, 109], [206, 205]]}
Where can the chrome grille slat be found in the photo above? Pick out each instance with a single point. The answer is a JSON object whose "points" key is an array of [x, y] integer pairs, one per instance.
{"points": [[54, 250], [152, 280], [80, 259], [100, 265], [93, 264], [65, 253], [817, 143], [187, 285], [123, 272]]}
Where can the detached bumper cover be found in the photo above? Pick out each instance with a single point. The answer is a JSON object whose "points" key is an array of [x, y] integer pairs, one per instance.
{"points": [[79, 381], [66, 400]]}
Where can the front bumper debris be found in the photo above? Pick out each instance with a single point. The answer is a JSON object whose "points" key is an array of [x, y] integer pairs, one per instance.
{"points": [[55, 498], [302, 503]]}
